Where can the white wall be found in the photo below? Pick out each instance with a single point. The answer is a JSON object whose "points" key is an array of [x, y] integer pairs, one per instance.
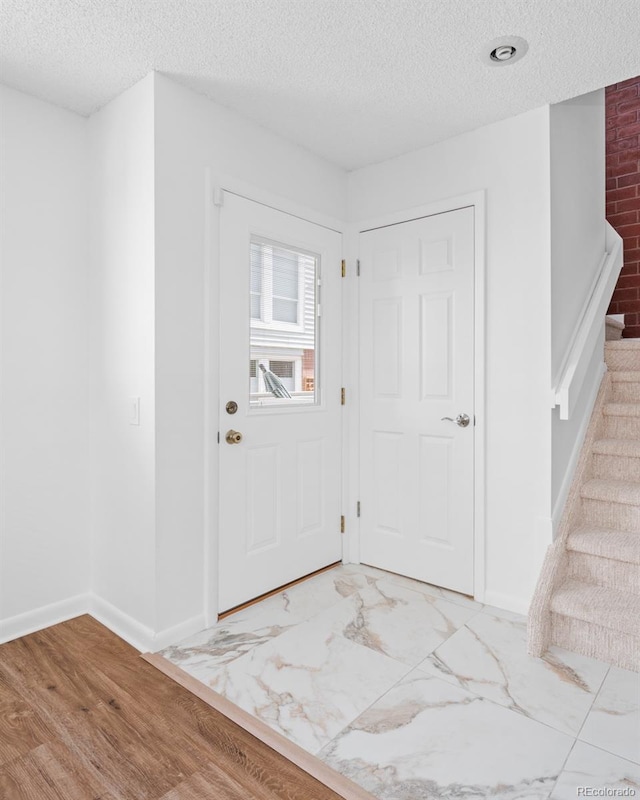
{"points": [[104, 301], [123, 350], [577, 136], [151, 314], [577, 130], [193, 134], [44, 450], [510, 160]]}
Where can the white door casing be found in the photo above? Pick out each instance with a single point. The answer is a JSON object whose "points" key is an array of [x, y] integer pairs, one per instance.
{"points": [[417, 366], [280, 487]]}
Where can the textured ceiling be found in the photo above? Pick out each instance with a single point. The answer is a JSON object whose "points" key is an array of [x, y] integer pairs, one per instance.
{"points": [[355, 81]]}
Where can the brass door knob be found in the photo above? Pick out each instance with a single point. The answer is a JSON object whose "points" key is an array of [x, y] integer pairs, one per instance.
{"points": [[233, 437]]}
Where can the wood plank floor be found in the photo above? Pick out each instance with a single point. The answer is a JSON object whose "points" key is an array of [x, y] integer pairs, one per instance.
{"points": [[83, 716]]}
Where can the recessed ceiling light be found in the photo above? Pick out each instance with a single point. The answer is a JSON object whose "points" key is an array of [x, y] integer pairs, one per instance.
{"points": [[503, 53], [504, 50]]}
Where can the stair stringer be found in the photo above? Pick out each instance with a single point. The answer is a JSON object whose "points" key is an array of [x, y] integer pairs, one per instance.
{"points": [[554, 567]]}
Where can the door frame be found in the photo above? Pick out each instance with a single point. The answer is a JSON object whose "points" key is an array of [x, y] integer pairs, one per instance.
{"points": [[216, 185], [351, 358]]}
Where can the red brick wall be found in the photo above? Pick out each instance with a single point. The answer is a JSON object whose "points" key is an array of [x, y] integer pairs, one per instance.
{"points": [[308, 369], [623, 194]]}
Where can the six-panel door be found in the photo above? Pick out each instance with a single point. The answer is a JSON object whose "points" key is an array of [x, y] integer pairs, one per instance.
{"points": [[417, 366]]}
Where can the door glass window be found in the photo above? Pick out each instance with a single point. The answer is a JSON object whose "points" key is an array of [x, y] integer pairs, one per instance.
{"points": [[283, 324]]}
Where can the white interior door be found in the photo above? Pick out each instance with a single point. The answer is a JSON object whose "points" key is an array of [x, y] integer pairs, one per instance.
{"points": [[280, 351], [417, 365]]}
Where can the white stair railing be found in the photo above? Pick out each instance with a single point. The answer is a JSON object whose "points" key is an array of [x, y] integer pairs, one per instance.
{"points": [[567, 387]]}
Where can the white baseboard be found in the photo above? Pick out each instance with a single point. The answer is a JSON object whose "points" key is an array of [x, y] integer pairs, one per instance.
{"points": [[177, 633], [139, 636], [135, 633], [518, 605], [43, 617]]}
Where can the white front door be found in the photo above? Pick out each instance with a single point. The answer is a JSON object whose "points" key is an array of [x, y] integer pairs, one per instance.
{"points": [[280, 350], [417, 366]]}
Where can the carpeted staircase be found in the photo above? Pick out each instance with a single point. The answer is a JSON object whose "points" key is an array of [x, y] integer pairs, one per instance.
{"points": [[588, 596]]}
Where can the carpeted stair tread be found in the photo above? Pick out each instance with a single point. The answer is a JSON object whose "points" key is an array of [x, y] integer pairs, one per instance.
{"points": [[622, 355], [614, 545], [623, 344], [625, 377], [621, 410], [629, 448], [598, 605], [588, 595], [626, 492]]}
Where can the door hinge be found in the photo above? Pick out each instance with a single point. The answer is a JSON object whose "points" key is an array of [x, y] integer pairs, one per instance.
{"points": [[358, 268], [358, 509], [343, 396], [342, 524], [218, 437], [344, 268]]}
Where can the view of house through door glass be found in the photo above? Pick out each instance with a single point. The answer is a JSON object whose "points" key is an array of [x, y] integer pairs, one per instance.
{"points": [[280, 413], [416, 390], [284, 299]]}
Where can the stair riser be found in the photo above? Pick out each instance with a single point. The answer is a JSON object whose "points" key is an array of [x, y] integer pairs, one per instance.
{"points": [[627, 360], [611, 516], [620, 468], [618, 575], [621, 427], [613, 647], [625, 392]]}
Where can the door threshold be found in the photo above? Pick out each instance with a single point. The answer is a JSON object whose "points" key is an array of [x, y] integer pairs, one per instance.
{"points": [[279, 589]]}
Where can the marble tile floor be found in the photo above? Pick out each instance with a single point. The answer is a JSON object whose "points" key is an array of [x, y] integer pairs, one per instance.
{"points": [[418, 693]]}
